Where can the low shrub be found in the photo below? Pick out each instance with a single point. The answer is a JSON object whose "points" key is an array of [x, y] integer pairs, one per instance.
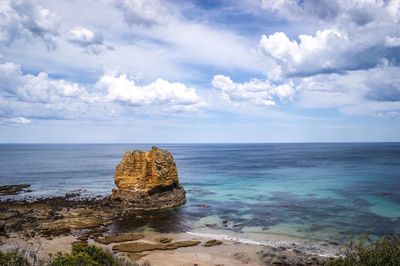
{"points": [[84, 255], [383, 252], [13, 258], [80, 255]]}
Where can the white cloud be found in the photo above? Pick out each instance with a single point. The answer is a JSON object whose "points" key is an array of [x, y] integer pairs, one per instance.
{"points": [[20, 120], [358, 12], [162, 93], [258, 92], [393, 8], [323, 52], [331, 90], [365, 92], [389, 115], [91, 41], [392, 41], [143, 12], [35, 88], [186, 41], [349, 35], [23, 19], [40, 96]]}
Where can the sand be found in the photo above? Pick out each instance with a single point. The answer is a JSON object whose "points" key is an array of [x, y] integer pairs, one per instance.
{"points": [[230, 252]]}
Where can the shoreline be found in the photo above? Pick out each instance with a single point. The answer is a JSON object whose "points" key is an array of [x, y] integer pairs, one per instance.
{"points": [[60, 221], [229, 252]]}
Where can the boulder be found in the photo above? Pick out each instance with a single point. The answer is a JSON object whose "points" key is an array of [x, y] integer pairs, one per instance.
{"points": [[148, 180]]}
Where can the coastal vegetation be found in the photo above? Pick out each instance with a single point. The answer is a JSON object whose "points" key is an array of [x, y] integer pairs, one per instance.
{"points": [[384, 252], [80, 255], [366, 252]]}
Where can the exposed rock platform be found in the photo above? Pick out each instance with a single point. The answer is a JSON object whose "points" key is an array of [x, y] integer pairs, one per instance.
{"points": [[14, 189], [148, 181]]}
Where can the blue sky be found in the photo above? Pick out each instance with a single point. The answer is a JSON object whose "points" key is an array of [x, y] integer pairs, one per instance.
{"points": [[199, 71]]}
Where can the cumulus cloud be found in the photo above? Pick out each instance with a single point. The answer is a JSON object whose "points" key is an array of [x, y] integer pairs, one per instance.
{"points": [[91, 41], [323, 52], [24, 19], [42, 97], [143, 12], [258, 92], [162, 93], [337, 45], [35, 88]]}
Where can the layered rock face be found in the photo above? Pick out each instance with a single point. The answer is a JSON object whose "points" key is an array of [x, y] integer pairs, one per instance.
{"points": [[148, 180]]}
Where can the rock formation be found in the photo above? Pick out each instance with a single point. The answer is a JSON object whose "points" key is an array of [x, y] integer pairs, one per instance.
{"points": [[148, 180]]}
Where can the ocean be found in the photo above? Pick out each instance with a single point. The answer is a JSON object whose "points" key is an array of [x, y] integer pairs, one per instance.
{"points": [[319, 192]]}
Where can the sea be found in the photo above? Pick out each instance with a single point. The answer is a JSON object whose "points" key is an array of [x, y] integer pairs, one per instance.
{"points": [[261, 193]]}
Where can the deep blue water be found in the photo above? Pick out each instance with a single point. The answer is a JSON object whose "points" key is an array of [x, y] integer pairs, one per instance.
{"points": [[314, 191]]}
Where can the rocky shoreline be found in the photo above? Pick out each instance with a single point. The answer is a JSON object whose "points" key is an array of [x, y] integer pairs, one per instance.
{"points": [[91, 221]]}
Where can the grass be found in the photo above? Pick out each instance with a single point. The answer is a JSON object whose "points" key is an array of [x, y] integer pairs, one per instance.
{"points": [[383, 252]]}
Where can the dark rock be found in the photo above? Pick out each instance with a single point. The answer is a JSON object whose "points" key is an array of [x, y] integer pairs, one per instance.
{"points": [[136, 200], [3, 231], [13, 189], [213, 242], [211, 225]]}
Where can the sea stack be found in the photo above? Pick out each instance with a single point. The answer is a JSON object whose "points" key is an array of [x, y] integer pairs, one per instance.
{"points": [[148, 181]]}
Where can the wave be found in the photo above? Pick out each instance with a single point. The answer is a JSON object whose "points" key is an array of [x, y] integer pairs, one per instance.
{"points": [[317, 251]]}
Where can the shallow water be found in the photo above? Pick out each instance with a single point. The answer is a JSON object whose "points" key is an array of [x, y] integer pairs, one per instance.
{"points": [[308, 191]]}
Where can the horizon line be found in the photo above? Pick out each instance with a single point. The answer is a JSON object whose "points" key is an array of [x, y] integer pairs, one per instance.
{"points": [[199, 143]]}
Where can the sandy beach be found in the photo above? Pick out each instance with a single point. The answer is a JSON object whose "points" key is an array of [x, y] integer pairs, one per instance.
{"points": [[229, 252]]}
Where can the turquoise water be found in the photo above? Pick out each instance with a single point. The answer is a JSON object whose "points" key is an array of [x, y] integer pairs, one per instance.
{"points": [[311, 191]]}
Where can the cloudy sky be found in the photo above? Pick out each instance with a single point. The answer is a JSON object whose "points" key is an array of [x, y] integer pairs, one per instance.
{"points": [[199, 70]]}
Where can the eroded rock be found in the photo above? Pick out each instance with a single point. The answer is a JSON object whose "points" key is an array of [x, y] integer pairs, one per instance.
{"points": [[146, 171], [137, 247], [148, 180], [119, 238]]}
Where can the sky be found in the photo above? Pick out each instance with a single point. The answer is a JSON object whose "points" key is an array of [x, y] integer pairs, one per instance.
{"points": [[199, 71]]}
